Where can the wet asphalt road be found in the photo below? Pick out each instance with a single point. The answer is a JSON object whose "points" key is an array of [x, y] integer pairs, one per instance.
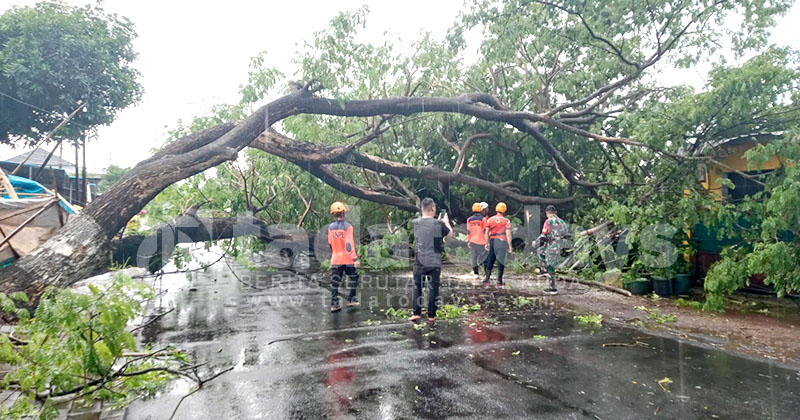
{"points": [[294, 360]]}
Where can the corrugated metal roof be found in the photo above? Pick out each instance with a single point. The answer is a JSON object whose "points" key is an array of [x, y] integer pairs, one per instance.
{"points": [[38, 156]]}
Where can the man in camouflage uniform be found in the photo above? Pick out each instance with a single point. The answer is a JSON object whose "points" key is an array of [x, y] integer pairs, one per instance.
{"points": [[549, 245]]}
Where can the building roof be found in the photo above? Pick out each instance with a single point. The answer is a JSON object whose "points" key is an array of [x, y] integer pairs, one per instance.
{"points": [[38, 156], [744, 139]]}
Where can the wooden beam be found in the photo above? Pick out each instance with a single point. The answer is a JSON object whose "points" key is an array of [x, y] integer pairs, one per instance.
{"points": [[66, 203], [46, 161], [6, 184], [28, 220], [13, 251]]}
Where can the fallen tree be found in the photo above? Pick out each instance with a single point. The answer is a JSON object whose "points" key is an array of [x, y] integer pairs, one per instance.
{"points": [[81, 248]]}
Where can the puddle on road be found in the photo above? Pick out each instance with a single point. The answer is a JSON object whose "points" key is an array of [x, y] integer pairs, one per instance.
{"points": [[295, 360]]}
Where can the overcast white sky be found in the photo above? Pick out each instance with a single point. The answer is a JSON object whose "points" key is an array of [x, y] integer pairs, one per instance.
{"points": [[194, 54]]}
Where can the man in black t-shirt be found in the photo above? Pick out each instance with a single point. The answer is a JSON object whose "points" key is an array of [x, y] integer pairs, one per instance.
{"points": [[429, 233]]}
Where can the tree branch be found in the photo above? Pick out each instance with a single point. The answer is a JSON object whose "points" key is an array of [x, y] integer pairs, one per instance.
{"points": [[380, 165]]}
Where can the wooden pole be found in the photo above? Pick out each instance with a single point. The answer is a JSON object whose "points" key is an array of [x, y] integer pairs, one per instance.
{"points": [[47, 137], [13, 251], [46, 161], [55, 180]]}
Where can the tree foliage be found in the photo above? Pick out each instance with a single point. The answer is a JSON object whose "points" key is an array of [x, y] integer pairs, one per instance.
{"points": [[589, 121], [78, 346], [111, 175], [54, 57]]}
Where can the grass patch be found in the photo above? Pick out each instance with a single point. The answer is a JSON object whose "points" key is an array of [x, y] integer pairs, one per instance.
{"points": [[589, 320], [398, 313], [656, 315], [452, 311], [683, 303], [523, 301]]}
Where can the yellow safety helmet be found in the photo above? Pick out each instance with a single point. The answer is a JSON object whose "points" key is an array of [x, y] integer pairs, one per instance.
{"points": [[501, 207], [338, 207], [476, 207]]}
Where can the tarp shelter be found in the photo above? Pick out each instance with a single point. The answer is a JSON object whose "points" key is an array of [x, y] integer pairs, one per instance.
{"points": [[29, 218], [24, 185], [26, 188], [26, 223]]}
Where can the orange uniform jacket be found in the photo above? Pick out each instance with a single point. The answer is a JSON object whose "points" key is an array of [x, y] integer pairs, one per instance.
{"points": [[476, 227], [498, 225], [343, 246]]}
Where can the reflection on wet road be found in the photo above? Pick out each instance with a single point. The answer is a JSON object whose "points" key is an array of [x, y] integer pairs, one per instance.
{"points": [[295, 360]]}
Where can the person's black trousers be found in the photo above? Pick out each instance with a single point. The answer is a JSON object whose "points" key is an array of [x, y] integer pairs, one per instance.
{"points": [[337, 271], [478, 256], [433, 274], [498, 249]]}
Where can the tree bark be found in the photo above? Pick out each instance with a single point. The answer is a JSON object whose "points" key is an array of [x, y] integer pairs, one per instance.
{"points": [[154, 251]]}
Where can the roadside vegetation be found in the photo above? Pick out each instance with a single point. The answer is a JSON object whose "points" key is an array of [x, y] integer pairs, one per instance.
{"points": [[82, 348]]}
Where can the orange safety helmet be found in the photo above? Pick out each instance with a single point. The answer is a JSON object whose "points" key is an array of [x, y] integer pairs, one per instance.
{"points": [[501, 207], [476, 207], [338, 207]]}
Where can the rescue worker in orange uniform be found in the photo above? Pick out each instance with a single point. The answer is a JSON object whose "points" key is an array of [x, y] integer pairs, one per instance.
{"points": [[498, 243], [344, 257], [476, 236]]}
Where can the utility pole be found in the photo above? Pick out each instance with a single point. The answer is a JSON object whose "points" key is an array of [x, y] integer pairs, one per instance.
{"points": [[85, 188], [77, 178]]}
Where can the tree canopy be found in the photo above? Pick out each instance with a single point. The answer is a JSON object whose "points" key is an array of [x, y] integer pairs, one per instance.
{"points": [[54, 57], [599, 130]]}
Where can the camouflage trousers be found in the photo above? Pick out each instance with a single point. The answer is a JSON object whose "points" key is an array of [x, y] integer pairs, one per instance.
{"points": [[549, 259]]}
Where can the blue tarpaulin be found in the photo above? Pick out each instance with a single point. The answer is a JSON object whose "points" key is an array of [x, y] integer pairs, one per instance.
{"points": [[25, 185]]}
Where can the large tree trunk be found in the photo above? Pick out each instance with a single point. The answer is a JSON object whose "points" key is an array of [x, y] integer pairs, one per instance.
{"points": [[154, 251], [82, 245]]}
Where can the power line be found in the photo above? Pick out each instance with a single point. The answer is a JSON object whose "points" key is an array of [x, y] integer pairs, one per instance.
{"points": [[55, 114]]}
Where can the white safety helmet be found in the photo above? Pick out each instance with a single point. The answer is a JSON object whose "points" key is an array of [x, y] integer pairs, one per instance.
{"points": [[484, 205]]}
